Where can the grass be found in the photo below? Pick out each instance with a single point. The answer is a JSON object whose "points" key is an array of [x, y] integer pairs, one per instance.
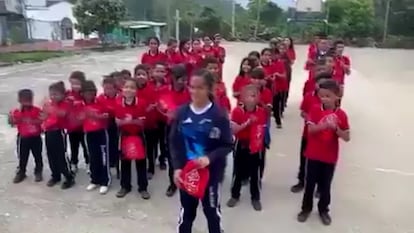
{"points": [[29, 57]]}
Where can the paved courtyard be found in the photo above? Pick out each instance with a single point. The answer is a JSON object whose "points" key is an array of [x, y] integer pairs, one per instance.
{"points": [[373, 185]]}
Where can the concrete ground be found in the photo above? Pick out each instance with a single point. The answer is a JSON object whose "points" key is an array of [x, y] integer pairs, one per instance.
{"points": [[373, 185]]}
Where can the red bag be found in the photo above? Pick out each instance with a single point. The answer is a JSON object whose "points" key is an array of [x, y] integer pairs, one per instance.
{"points": [[257, 133], [132, 148], [195, 180]]}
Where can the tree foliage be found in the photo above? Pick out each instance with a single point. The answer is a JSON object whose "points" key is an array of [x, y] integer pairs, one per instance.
{"points": [[100, 16]]}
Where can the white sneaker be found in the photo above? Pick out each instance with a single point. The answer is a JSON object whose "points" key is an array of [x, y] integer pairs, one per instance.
{"points": [[103, 190], [91, 187]]}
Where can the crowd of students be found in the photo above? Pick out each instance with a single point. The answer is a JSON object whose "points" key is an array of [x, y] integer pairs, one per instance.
{"points": [[174, 108]]}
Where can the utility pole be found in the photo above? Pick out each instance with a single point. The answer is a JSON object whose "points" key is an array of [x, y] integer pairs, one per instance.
{"points": [[233, 18], [177, 24], [387, 16], [259, 6]]}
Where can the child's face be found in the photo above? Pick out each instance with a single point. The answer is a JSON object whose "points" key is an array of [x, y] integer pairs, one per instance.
{"points": [[56, 96], [198, 89], [130, 89], [142, 77], [89, 96], [287, 42], [173, 47], [207, 41], [75, 85], [213, 68], [109, 90], [250, 98], [153, 45], [187, 46], [196, 45], [246, 68], [340, 49], [119, 80], [330, 62], [217, 40], [159, 72], [323, 45], [266, 56], [282, 49], [328, 97], [26, 101], [180, 83]]}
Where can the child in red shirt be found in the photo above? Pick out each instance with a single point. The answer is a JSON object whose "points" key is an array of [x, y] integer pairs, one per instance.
{"points": [[256, 57], [95, 126], [74, 126], [248, 124], [243, 79], [221, 52], [172, 55], [211, 64], [154, 54], [56, 112], [326, 124], [208, 49], [27, 119], [108, 99], [291, 53], [130, 115]]}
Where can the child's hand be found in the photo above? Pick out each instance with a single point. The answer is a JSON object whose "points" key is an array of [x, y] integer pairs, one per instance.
{"points": [[203, 161]]}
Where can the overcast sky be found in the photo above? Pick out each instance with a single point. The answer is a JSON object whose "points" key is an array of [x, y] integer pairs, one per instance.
{"points": [[282, 3]]}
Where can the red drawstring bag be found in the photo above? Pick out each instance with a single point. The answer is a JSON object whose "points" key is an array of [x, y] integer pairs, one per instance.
{"points": [[132, 148], [195, 180]]}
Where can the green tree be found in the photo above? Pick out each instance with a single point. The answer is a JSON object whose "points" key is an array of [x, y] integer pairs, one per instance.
{"points": [[100, 16], [209, 22], [270, 14]]}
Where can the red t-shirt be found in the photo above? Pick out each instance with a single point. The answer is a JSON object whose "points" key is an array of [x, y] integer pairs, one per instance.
{"points": [[151, 59], [312, 53], [137, 110], [280, 84], [240, 82], [239, 116], [57, 115], [27, 121], [339, 72], [92, 123], [221, 97], [309, 86], [210, 52], [324, 145], [173, 58], [221, 52], [75, 99], [266, 97], [309, 101], [148, 93], [291, 54], [108, 102]]}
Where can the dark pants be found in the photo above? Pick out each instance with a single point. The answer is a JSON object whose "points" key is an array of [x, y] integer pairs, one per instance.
{"points": [[244, 161], [113, 144], [162, 140], [262, 164], [141, 168], [25, 145], [151, 145], [278, 107], [56, 154], [169, 158], [211, 209], [77, 139], [302, 161], [318, 173], [97, 142]]}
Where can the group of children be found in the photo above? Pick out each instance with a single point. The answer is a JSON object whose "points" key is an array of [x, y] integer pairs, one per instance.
{"points": [[131, 119]]}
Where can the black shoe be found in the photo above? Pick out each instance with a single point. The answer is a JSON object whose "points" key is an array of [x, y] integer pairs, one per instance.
{"points": [[232, 202], [303, 216], [163, 166], [122, 193], [257, 205], [150, 175], [52, 182], [297, 188], [325, 218], [38, 177], [68, 184], [145, 195], [171, 190], [19, 178]]}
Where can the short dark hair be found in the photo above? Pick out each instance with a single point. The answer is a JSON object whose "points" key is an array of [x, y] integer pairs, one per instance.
{"points": [[115, 74], [178, 71], [210, 60], [132, 80], [126, 72], [89, 86], [141, 67], [153, 38], [254, 53], [78, 75], [25, 94], [337, 42], [172, 41], [58, 86], [266, 50], [160, 63], [109, 80], [331, 85], [257, 73], [323, 76]]}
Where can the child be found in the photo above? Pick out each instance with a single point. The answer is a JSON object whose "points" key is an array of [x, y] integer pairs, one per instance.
{"points": [[310, 100], [180, 96], [284, 83], [130, 116], [154, 54], [119, 80], [74, 126], [245, 119], [28, 121], [326, 124], [108, 100], [146, 90], [256, 57], [171, 53], [56, 112], [126, 74], [342, 64], [243, 79], [221, 53], [211, 64], [208, 49], [210, 150], [95, 126], [320, 67], [291, 53]]}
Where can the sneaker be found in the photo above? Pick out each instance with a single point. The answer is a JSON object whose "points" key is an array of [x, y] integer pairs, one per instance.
{"points": [[150, 175], [19, 178], [257, 205], [297, 188], [103, 190], [52, 182], [91, 187], [74, 168], [232, 202], [325, 218], [171, 190], [68, 184], [122, 193], [303, 216], [145, 195], [38, 177], [163, 166]]}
